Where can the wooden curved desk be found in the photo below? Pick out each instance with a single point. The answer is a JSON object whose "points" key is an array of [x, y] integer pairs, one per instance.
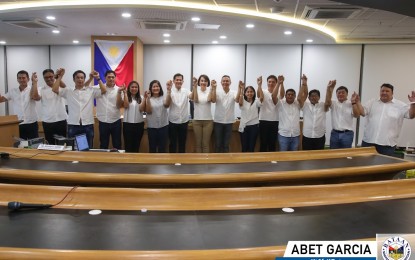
{"points": [[252, 226], [198, 170]]}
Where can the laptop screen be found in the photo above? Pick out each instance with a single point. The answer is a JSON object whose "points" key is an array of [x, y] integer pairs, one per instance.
{"points": [[81, 142]]}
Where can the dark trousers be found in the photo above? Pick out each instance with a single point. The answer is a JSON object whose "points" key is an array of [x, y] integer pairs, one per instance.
{"points": [[268, 132], [157, 139], [29, 131], [110, 129], [74, 130], [132, 132], [177, 136], [382, 149], [222, 137], [314, 143], [55, 128], [248, 138]]}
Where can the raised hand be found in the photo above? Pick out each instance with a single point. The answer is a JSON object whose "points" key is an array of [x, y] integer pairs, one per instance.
{"points": [[258, 81], [242, 85], [214, 84], [34, 77], [411, 96], [194, 81], [169, 85], [304, 79], [147, 94], [355, 98], [280, 79], [332, 84], [94, 74]]}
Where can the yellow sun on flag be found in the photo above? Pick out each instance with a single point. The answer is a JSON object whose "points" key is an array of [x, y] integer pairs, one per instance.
{"points": [[114, 51]]}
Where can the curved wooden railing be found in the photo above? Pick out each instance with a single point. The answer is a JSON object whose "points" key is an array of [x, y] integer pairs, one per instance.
{"points": [[60, 177], [213, 198]]}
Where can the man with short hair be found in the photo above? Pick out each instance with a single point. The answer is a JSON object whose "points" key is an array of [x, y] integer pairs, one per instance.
{"points": [[342, 113], [178, 101], [80, 103], [224, 115], [53, 112], [384, 119], [108, 114], [314, 118], [24, 104]]}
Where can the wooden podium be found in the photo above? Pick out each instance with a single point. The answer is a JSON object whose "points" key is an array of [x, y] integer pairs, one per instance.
{"points": [[9, 128]]}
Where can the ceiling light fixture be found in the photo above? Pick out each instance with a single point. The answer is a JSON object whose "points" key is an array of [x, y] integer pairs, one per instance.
{"points": [[195, 19], [166, 41], [288, 32], [215, 42], [56, 31], [166, 35], [49, 17], [223, 37], [250, 25], [75, 41], [2, 42], [126, 15], [309, 40], [110, 34]]}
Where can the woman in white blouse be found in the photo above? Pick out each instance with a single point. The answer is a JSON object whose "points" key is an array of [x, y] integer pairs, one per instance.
{"points": [[249, 123], [133, 122], [202, 119], [157, 118]]}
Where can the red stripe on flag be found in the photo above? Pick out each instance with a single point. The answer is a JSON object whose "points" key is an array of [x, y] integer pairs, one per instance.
{"points": [[125, 70]]}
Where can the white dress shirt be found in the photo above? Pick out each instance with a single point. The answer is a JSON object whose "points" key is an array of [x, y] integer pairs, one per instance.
{"points": [[341, 115], [179, 106], [225, 107], [202, 109], [314, 120], [107, 110], [158, 117], [52, 106], [249, 114], [23, 106], [289, 114], [80, 104], [132, 114], [268, 110], [384, 121]]}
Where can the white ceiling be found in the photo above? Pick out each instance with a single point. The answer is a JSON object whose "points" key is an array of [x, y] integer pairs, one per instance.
{"points": [[80, 22]]}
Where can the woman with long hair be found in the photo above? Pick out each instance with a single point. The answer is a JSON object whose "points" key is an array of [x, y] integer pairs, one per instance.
{"points": [[133, 122]]}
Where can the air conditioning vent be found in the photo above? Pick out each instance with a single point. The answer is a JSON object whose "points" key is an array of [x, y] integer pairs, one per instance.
{"points": [[329, 12], [31, 24], [162, 25]]}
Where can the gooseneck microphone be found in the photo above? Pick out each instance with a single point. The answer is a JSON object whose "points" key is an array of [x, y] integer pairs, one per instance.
{"points": [[15, 205]]}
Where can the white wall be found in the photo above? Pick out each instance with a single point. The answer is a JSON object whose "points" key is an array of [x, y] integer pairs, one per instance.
{"points": [[392, 64], [322, 63], [2, 81]]}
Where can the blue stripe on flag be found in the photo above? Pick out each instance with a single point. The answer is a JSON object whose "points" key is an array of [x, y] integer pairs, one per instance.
{"points": [[100, 63]]}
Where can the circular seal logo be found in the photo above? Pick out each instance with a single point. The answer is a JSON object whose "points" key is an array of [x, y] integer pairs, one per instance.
{"points": [[396, 248]]}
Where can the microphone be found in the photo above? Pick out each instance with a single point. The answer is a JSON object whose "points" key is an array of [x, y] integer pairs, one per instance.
{"points": [[15, 205]]}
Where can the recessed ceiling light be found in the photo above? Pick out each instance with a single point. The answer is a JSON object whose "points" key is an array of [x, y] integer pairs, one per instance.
{"points": [[126, 15], [250, 25], [50, 17], [288, 210], [56, 31], [223, 37], [166, 35], [166, 41], [288, 32], [75, 41], [111, 34], [195, 19], [215, 42], [2, 42], [309, 40]]}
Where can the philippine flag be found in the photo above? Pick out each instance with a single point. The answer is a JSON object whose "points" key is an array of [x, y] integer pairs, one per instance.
{"points": [[117, 56]]}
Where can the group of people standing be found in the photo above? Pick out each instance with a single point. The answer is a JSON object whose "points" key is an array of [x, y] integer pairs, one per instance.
{"points": [[273, 113]]}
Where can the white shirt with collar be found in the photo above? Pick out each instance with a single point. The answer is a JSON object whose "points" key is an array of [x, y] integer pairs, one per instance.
{"points": [[52, 106], [132, 114], [268, 110], [225, 107], [341, 115], [179, 106], [23, 105], [384, 121], [314, 120], [158, 117], [107, 110], [80, 104], [289, 114], [202, 109]]}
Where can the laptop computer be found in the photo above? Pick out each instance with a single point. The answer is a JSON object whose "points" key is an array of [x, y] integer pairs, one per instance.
{"points": [[81, 142]]}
